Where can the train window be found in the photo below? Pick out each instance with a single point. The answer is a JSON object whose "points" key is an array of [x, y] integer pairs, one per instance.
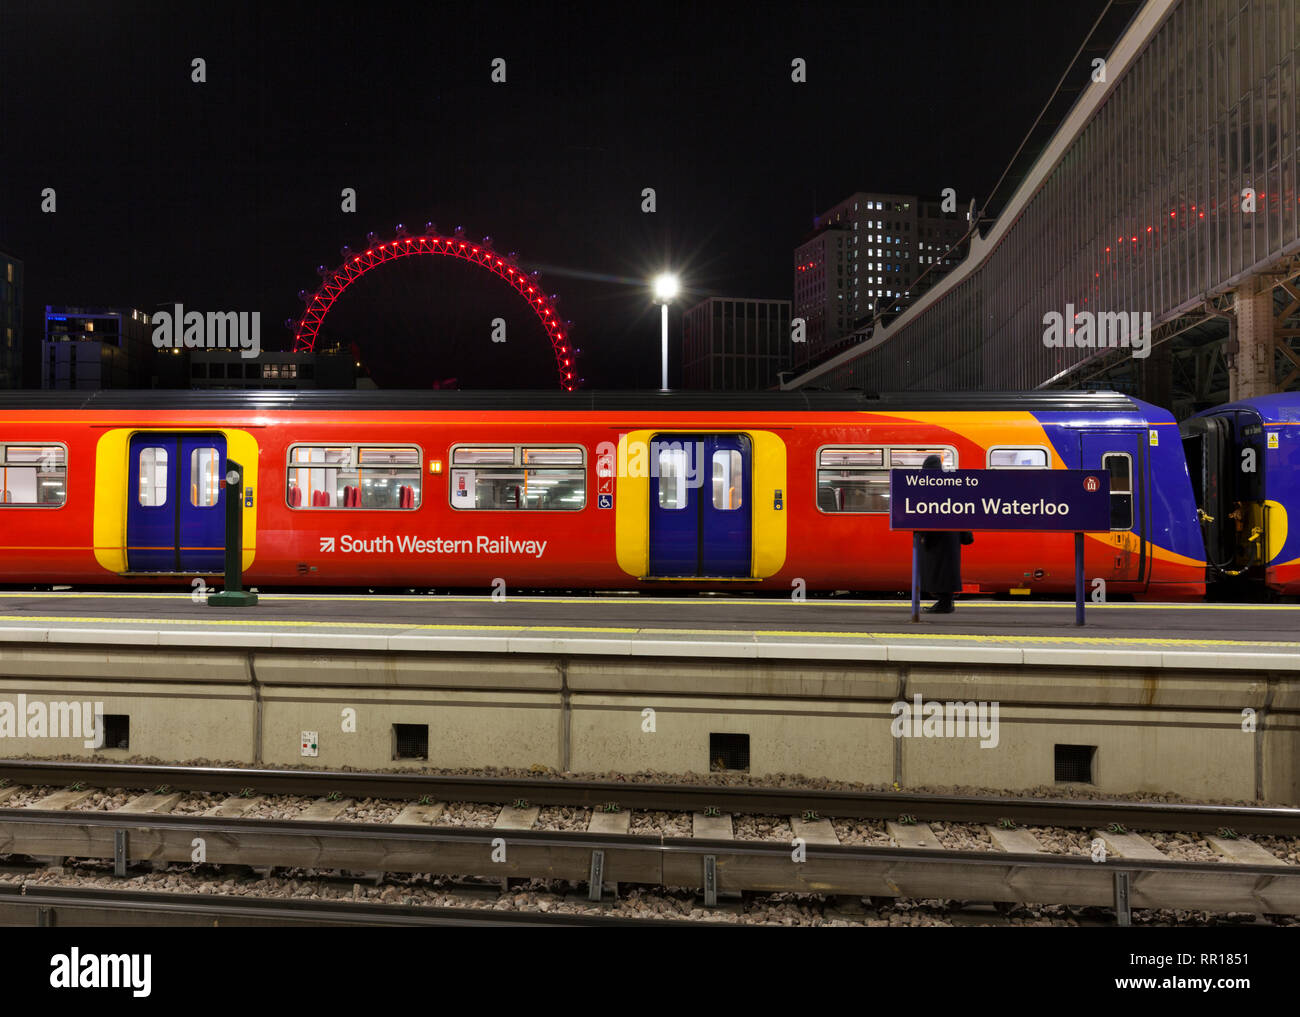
{"points": [[354, 476], [552, 457], [914, 458], [861, 457], [857, 479], [390, 476], [1120, 467], [849, 491], [33, 474], [320, 476], [205, 479], [153, 476], [484, 456], [672, 478], [510, 477], [1006, 457], [728, 479]]}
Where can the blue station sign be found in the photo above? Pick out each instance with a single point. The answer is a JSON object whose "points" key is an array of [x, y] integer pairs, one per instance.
{"points": [[1071, 500]]}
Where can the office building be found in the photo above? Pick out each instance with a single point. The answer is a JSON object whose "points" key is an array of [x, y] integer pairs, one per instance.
{"points": [[93, 348], [11, 321], [870, 254], [735, 344]]}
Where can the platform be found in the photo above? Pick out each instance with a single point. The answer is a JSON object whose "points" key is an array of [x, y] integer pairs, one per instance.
{"points": [[1202, 700], [1235, 636]]}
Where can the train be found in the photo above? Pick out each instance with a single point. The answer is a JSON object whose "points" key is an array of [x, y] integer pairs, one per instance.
{"points": [[1244, 462], [768, 491]]}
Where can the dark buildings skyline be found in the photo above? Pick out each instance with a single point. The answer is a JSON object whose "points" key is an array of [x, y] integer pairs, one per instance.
{"points": [[870, 256], [11, 320], [735, 344], [90, 348], [226, 192]]}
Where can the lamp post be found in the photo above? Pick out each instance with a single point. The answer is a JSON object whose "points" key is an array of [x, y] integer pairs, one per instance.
{"points": [[666, 286]]}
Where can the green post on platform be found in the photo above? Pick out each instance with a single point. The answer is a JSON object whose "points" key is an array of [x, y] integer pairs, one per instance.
{"points": [[234, 595]]}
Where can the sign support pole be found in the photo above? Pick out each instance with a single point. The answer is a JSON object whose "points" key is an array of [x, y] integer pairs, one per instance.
{"points": [[234, 595], [916, 575], [1061, 501], [1078, 578]]}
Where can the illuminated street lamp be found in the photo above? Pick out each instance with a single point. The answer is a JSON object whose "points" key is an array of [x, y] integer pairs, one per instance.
{"points": [[666, 287]]}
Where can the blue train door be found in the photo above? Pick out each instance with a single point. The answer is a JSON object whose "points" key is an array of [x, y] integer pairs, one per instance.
{"points": [[701, 516], [1122, 455], [175, 514]]}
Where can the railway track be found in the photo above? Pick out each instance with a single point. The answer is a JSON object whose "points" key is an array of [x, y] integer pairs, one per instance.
{"points": [[49, 906], [1191, 818], [1131, 872]]}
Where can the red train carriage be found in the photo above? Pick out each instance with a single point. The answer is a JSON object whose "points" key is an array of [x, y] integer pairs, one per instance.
{"points": [[566, 490]]}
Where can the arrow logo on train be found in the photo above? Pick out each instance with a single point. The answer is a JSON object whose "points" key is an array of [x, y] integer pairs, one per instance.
{"points": [[327, 543]]}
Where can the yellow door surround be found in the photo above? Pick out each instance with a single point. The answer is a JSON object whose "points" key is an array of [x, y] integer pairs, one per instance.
{"points": [[112, 477], [632, 501]]}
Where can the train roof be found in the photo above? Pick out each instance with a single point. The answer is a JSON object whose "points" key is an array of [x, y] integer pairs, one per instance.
{"points": [[1280, 407], [349, 400]]}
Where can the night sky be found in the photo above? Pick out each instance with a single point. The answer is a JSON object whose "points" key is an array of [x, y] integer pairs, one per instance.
{"points": [[226, 195]]}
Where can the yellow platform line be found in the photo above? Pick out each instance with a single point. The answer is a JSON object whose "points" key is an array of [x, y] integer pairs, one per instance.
{"points": [[665, 633], [344, 598]]}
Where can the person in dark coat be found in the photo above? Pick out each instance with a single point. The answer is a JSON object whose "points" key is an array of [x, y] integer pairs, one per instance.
{"points": [[941, 559]]}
